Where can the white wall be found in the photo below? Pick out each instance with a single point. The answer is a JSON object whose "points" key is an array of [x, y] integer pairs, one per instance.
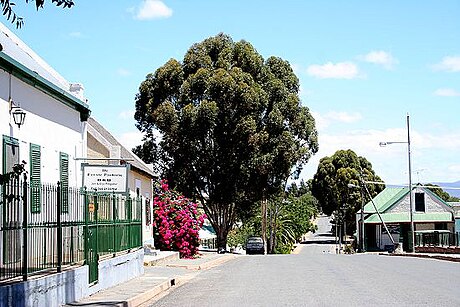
{"points": [[48, 123], [54, 290]]}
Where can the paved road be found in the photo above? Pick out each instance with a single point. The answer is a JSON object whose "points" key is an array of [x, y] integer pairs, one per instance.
{"points": [[315, 277], [310, 279], [322, 241]]}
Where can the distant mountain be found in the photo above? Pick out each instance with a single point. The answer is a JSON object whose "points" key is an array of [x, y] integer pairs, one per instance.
{"points": [[446, 185]]}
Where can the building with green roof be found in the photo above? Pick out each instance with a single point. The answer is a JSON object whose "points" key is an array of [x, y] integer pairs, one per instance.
{"points": [[430, 214]]}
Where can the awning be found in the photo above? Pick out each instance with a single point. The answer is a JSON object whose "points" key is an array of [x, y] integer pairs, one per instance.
{"points": [[206, 232], [403, 217]]}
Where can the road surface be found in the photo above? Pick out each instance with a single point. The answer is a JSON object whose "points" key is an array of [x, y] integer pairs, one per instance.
{"points": [[317, 277]]}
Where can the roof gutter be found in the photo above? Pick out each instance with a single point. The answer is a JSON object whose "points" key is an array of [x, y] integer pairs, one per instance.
{"points": [[34, 79]]}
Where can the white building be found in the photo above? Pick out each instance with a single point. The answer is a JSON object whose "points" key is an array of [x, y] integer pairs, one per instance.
{"points": [[60, 224], [54, 130]]}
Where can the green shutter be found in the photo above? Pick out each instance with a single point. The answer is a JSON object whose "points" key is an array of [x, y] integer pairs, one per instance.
{"points": [[35, 178], [64, 177]]}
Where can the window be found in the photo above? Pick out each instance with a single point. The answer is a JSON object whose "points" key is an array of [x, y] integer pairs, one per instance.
{"points": [[35, 178], [64, 177], [10, 153], [138, 185], [420, 202], [440, 226], [11, 217]]}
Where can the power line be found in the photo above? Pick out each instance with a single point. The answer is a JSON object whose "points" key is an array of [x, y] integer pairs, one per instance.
{"points": [[404, 185]]}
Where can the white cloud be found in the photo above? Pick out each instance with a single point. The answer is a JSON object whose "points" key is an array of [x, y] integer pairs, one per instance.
{"points": [[435, 154], [343, 70], [380, 58], [76, 34], [446, 92], [344, 117], [320, 122], [449, 142], [130, 139], [151, 9], [449, 63], [454, 168], [127, 114], [324, 121], [123, 72]]}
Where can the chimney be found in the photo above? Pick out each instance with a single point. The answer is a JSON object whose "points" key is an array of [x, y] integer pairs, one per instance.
{"points": [[77, 90]]}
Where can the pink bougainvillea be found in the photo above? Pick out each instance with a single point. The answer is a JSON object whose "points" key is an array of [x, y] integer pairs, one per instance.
{"points": [[176, 222]]}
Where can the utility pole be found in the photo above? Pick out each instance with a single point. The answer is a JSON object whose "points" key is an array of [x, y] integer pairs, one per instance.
{"points": [[411, 201], [336, 238], [362, 249], [340, 233]]}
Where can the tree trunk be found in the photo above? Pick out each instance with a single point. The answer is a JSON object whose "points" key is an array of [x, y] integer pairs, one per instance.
{"points": [[264, 222], [221, 233]]}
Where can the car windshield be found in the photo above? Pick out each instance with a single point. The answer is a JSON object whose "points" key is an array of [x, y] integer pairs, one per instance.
{"points": [[255, 240]]}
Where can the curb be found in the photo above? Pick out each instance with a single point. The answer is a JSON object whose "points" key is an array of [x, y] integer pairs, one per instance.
{"points": [[437, 257], [162, 260], [150, 294], [174, 282]]}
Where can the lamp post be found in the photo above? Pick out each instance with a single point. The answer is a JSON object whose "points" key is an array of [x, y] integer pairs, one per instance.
{"points": [[361, 247], [411, 209]]}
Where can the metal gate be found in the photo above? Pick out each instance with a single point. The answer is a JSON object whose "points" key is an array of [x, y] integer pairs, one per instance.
{"points": [[92, 255], [113, 224]]}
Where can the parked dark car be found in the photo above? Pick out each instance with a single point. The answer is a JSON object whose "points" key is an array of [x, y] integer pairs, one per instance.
{"points": [[255, 245]]}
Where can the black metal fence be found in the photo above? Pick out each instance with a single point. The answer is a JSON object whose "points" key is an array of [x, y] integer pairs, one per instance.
{"points": [[44, 227]]}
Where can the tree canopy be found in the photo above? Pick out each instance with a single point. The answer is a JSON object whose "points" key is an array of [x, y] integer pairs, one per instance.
{"points": [[10, 14], [232, 126], [330, 183], [436, 189]]}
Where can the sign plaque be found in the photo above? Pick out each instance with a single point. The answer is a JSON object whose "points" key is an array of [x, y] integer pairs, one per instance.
{"points": [[106, 178]]}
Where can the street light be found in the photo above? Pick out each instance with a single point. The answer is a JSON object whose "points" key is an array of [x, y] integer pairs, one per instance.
{"points": [[411, 211], [361, 247]]}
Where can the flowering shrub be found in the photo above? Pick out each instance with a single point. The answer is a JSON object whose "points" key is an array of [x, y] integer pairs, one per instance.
{"points": [[176, 222]]}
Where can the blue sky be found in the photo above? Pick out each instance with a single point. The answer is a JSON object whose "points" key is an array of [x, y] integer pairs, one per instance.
{"points": [[362, 66]]}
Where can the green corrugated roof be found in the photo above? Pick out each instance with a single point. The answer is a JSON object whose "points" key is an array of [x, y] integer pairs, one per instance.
{"points": [[386, 199], [403, 217]]}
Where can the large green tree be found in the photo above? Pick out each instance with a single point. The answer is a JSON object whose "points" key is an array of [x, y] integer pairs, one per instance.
{"points": [[331, 180], [232, 126], [8, 11], [436, 189]]}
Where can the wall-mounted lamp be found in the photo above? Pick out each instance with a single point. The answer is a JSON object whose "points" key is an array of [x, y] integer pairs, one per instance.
{"points": [[18, 114]]}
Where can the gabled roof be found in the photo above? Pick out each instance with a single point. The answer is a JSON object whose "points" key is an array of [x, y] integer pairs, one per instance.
{"points": [[391, 196], [21, 61], [126, 154], [385, 199]]}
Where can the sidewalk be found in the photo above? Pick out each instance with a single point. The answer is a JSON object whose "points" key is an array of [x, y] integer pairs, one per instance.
{"points": [[155, 280], [446, 257]]}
